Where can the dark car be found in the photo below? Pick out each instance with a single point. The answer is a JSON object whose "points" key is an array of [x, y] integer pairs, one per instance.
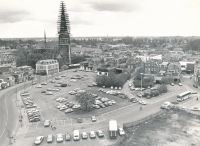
{"points": [[67, 137], [64, 85], [44, 91], [196, 86], [34, 119], [70, 105]]}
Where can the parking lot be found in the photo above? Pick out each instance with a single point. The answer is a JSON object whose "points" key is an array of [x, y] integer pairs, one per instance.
{"points": [[47, 104]]}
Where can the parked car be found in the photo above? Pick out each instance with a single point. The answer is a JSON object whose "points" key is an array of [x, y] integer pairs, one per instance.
{"points": [[52, 81], [100, 133], [194, 92], [49, 89], [49, 138], [68, 110], [196, 86], [121, 131], [34, 83], [45, 83], [67, 137], [84, 135], [172, 84], [94, 119], [39, 86], [59, 137], [79, 120], [46, 123], [179, 84], [57, 85], [39, 139], [96, 106], [113, 102], [102, 105], [34, 119], [57, 78], [92, 134], [49, 93], [63, 85], [72, 92], [44, 91]]}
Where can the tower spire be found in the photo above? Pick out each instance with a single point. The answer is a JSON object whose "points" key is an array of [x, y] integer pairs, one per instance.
{"points": [[45, 39], [64, 35]]}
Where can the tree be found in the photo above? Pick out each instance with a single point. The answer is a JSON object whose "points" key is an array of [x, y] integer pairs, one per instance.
{"points": [[162, 88], [115, 80], [138, 72], [77, 58], [127, 40], [167, 80], [86, 100]]}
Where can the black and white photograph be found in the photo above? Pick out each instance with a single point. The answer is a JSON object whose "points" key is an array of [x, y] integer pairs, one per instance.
{"points": [[100, 72]]}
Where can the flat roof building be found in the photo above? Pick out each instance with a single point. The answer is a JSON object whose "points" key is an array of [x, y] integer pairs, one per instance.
{"points": [[46, 67]]}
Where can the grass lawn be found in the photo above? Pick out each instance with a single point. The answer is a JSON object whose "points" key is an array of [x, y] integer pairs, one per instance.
{"points": [[171, 129]]}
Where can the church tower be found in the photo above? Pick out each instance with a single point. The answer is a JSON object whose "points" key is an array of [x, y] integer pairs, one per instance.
{"points": [[64, 55]]}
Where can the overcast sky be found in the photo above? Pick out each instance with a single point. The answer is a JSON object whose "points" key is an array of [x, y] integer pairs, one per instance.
{"points": [[29, 18]]}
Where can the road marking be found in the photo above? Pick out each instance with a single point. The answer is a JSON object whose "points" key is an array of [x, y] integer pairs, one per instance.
{"points": [[6, 119]]}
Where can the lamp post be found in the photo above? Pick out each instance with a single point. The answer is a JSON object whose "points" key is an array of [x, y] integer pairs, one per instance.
{"points": [[141, 85]]}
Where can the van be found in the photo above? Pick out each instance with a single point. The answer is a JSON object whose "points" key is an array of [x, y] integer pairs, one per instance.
{"points": [[76, 134]]}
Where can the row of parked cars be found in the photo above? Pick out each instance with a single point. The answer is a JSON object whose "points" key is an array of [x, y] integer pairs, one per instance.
{"points": [[67, 136], [31, 108]]}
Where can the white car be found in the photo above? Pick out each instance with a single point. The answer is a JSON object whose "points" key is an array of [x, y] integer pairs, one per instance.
{"points": [[39, 86], [72, 92], [49, 138], [113, 102], [58, 99], [165, 105], [59, 137], [77, 89], [142, 102], [63, 107], [121, 131], [49, 89], [57, 89], [44, 83], [57, 85], [46, 123], [49, 93], [92, 134], [179, 84], [52, 81], [84, 135], [39, 139], [60, 105], [72, 80], [25, 94], [76, 106]]}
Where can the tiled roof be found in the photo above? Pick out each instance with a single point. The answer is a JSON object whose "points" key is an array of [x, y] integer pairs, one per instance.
{"points": [[49, 45]]}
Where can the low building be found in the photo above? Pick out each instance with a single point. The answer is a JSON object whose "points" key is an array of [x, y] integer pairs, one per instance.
{"points": [[94, 63], [45, 67], [196, 77]]}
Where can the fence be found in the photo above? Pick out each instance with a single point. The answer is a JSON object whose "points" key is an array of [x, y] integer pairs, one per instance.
{"points": [[182, 109], [131, 124]]}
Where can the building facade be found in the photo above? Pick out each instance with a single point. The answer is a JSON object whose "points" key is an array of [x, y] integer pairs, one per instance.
{"points": [[196, 78], [46, 67]]}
